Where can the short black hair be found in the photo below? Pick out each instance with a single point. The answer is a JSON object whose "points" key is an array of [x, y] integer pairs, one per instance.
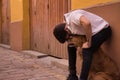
{"points": [[60, 32]]}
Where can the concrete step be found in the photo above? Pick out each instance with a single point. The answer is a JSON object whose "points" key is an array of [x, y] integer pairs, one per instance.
{"points": [[5, 46]]}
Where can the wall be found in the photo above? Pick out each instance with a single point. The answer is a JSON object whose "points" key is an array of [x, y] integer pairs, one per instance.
{"points": [[16, 24], [19, 27], [16, 35], [16, 10], [75, 4]]}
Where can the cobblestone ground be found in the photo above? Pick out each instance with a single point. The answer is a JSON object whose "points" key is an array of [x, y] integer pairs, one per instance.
{"points": [[18, 66]]}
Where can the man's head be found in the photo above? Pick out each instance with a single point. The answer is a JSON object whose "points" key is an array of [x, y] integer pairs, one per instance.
{"points": [[60, 33]]}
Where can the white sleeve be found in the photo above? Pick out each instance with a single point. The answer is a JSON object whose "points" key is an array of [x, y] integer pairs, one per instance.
{"points": [[75, 18]]}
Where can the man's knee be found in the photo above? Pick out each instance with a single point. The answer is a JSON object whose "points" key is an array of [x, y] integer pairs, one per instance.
{"points": [[87, 53]]}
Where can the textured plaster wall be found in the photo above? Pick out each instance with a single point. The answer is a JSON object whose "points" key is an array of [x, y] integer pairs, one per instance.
{"points": [[16, 36], [19, 26], [16, 10], [75, 4]]}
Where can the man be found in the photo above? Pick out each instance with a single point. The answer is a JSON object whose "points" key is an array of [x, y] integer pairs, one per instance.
{"points": [[96, 31]]}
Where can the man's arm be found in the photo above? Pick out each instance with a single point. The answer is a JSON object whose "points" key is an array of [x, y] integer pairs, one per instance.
{"points": [[87, 27]]}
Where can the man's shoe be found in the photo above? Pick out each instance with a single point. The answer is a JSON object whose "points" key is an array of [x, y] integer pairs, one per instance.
{"points": [[72, 77]]}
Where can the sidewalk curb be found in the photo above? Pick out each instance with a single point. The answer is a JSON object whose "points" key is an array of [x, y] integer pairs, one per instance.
{"points": [[47, 59], [5, 46], [34, 54]]}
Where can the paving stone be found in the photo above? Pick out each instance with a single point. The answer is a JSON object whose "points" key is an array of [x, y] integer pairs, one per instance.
{"points": [[18, 66]]}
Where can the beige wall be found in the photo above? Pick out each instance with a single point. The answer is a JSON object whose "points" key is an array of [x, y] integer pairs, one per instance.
{"points": [[75, 4], [19, 26], [16, 36], [16, 10]]}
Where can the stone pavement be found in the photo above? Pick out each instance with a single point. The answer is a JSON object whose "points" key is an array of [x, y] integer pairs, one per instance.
{"points": [[19, 66]]}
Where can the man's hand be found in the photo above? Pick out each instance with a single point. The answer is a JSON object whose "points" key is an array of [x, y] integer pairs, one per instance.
{"points": [[86, 45]]}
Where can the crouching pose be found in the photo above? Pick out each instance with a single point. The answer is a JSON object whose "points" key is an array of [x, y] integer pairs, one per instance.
{"points": [[85, 30]]}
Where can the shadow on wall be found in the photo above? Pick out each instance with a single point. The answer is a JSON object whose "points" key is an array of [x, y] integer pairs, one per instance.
{"points": [[106, 63]]}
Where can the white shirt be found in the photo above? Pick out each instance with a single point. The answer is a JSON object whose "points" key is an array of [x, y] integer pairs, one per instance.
{"points": [[73, 22]]}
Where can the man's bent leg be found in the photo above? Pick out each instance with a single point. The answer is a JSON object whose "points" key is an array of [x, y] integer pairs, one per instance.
{"points": [[87, 59]]}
